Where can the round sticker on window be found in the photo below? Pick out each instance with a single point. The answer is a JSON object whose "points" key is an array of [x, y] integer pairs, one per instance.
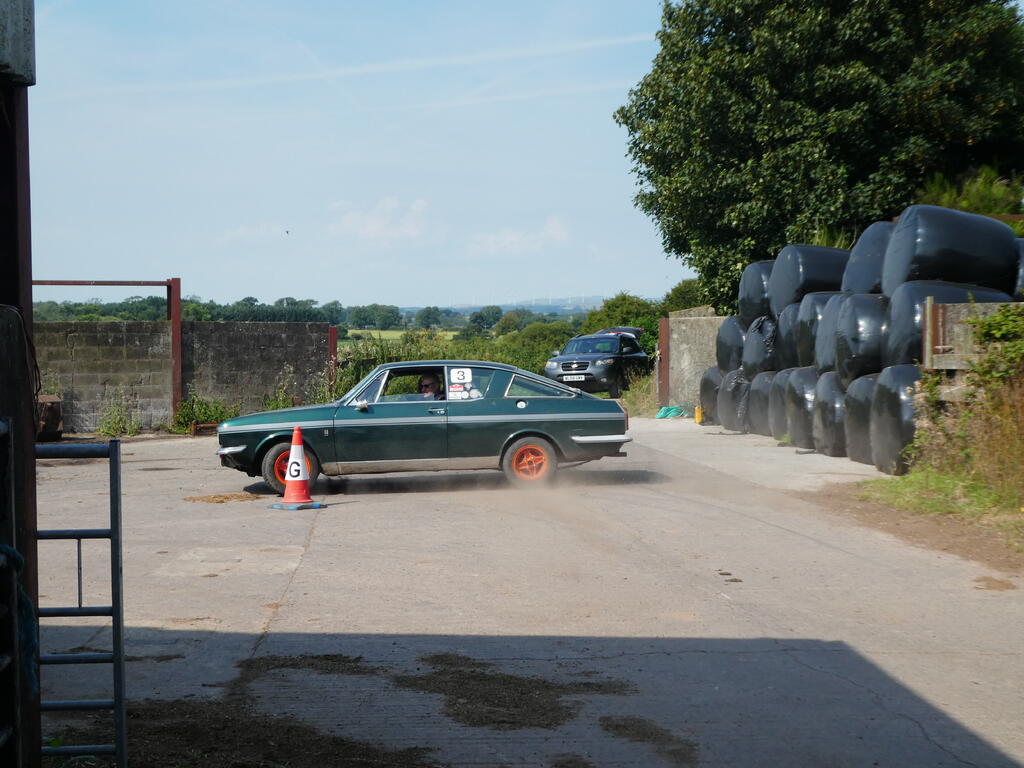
{"points": [[460, 375]]}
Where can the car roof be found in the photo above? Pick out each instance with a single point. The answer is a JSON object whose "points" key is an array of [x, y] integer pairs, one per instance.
{"points": [[409, 363], [604, 335]]}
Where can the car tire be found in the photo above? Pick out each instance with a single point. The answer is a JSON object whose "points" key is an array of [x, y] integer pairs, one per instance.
{"points": [[530, 461], [615, 388], [274, 461]]}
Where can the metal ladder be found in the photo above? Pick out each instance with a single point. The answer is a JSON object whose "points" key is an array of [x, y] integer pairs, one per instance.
{"points": [[111, 451]]}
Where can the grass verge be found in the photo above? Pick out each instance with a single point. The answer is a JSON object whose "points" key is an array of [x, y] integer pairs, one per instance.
{"points": [[926, 491], [641, 399]]}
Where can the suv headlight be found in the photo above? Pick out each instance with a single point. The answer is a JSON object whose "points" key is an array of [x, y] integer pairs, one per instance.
{"points": [[606, 361], [550, 364]]}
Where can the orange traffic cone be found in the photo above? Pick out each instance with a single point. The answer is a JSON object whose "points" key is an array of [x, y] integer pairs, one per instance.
{"points": [[296, 478]]}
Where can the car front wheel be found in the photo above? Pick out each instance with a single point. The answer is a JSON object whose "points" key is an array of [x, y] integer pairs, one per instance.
{"points": [[530, 461], [275, 462]]}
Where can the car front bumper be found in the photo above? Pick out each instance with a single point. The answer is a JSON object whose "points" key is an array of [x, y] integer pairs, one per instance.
{"points": [[230, 456]]}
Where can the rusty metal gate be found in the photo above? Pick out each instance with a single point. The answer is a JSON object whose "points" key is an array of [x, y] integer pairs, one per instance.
{"points": [[115, 611]]}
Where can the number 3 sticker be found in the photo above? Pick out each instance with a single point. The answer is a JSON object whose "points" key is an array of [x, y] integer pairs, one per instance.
{"points": [[460, 375]]}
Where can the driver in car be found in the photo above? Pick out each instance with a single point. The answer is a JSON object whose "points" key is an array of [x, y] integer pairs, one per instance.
{"points": [[430, 387]]}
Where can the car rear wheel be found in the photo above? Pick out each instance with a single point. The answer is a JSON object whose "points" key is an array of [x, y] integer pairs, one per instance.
{"points": [[275, 462], [530, 461]]}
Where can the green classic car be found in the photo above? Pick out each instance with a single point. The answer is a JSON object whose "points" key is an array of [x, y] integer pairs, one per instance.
{"points": [[433, 415]]}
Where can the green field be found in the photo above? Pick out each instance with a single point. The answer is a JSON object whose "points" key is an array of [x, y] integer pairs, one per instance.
{"points": [[389, 335]]}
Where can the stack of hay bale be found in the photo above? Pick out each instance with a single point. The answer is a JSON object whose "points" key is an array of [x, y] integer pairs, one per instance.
{"points": [[825, 346]]}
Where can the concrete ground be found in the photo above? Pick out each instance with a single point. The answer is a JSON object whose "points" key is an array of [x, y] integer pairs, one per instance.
{"points": [[678, 607]]}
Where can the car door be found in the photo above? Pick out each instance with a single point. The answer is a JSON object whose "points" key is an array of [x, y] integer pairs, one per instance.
{"points": [[377, 432], [476, 419]]}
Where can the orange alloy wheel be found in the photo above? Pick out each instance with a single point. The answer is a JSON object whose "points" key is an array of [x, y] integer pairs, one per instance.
{"points": [[530, 462], [282, 464]]}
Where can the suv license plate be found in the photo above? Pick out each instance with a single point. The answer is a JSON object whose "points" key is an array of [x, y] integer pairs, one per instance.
{"points": [[574, 378]]}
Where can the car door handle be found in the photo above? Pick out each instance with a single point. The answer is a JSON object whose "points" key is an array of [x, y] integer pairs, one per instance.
{"points": [[436, 411]]}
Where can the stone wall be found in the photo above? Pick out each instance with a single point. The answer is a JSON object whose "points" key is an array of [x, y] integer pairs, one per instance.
{"points": [[95, 364], [242, 362], [691, 350]]}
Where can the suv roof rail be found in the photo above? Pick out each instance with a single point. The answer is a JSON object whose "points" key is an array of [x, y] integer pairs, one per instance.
{"points": [[620, 330]]}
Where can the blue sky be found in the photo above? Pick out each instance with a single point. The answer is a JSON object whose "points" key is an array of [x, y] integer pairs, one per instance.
{"points": [[408, 153]]}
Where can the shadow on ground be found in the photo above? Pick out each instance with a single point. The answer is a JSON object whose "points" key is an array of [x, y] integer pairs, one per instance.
{"points": [[229, 699], [354, 485]]}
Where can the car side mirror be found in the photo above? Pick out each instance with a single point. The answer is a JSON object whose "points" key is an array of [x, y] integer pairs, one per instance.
{"points": [[362, 405], [556, 352]]}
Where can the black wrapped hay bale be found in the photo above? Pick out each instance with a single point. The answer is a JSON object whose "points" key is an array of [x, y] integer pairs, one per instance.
{"points": [[759, 347], [863, 273], [858, 418], [1018, 291], [808, 316], [800, 406], [860, 336], [892, 417], [828, 420], [732, 401], [904, 321], [803, 269], [758, 403], [753, 298], [825, 336], [777, 404], [785, 337], [709, 384], [729, 345], [932, 243]]}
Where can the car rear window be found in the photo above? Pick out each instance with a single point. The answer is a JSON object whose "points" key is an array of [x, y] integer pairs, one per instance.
{"points": [[523, 387]]}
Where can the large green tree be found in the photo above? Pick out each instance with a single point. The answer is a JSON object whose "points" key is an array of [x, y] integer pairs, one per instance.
{"points": [[763, 121]]}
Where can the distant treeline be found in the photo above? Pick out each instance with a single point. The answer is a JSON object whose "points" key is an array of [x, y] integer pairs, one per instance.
{"points": [[288, 309]]}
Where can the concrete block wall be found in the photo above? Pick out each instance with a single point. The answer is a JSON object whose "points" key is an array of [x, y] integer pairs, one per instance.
{"points": [[234, 362], [691, 350], [95, 363], [242, 362]]}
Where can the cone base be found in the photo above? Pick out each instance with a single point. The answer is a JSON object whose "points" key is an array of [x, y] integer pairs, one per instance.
{"points": [[302, 505]]}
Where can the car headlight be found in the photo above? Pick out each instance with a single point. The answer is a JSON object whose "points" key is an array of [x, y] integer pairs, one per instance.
{"points": [[606, 361], [550, 364]]}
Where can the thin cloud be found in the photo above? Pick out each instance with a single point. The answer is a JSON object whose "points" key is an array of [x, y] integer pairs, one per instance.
{"points": [[377, 68], [387, 222], [248, 233], [508, 242], [542, 93]]}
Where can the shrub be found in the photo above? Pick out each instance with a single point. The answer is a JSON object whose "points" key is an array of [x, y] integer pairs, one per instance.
{"points": [[981, 437], [119, 414], [205, 410]]}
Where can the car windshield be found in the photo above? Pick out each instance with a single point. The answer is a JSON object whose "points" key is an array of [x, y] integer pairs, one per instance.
{"points": [[588, 346], [362, 382]]}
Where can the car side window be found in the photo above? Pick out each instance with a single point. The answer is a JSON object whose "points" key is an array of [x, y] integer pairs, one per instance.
{"points": [[523, 387], [415, 385], [629, 346], [468, 382]]}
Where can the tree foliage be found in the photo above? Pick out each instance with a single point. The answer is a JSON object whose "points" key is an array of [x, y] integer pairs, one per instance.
{"points": [[763, 121], [428, 317], [628, 310]]}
